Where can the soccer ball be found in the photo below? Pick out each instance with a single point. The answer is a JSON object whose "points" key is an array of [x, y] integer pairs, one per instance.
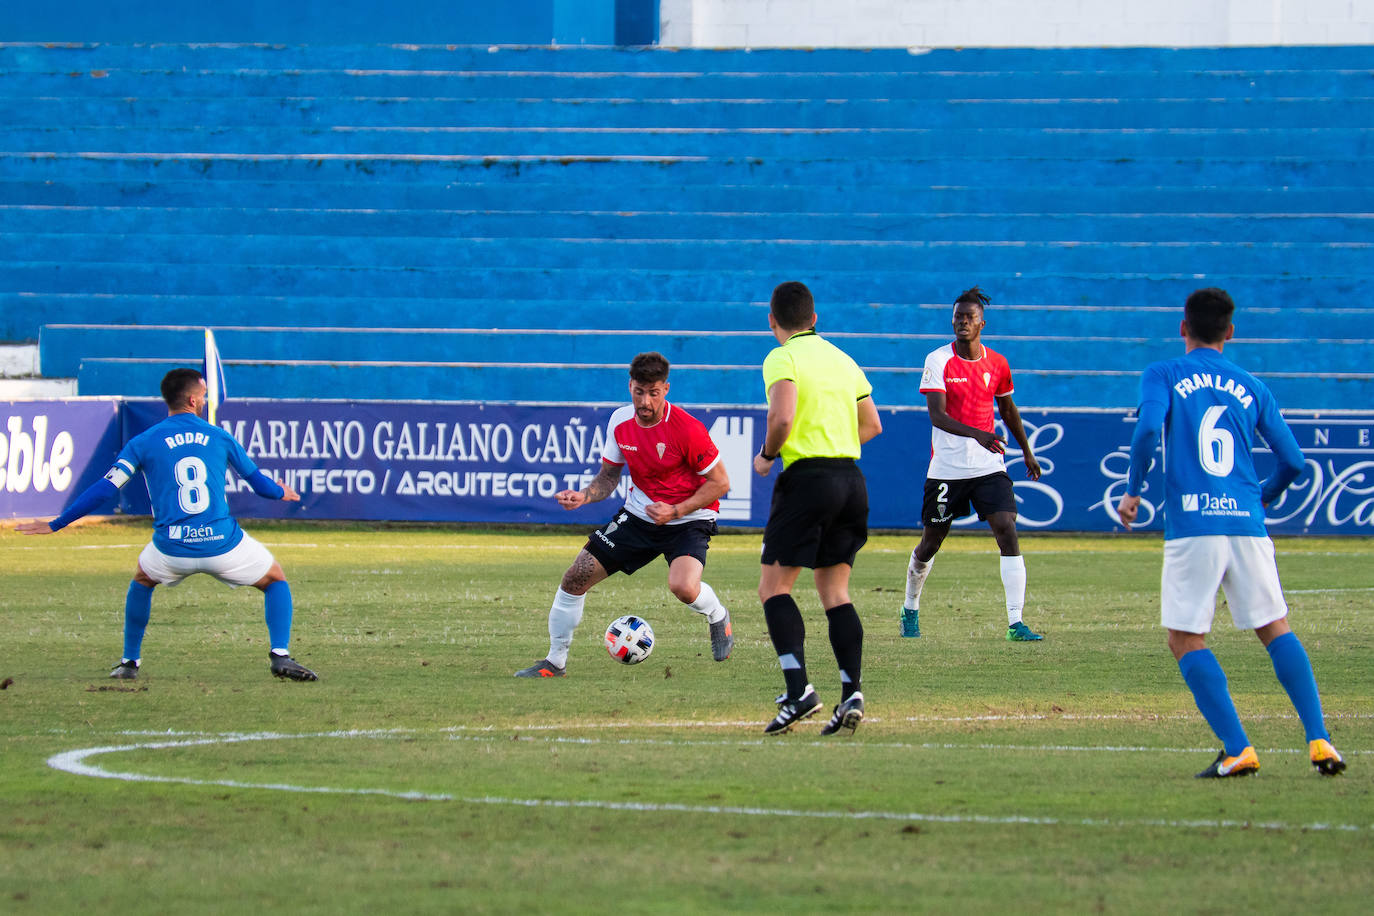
{"points": [[629, 639]]}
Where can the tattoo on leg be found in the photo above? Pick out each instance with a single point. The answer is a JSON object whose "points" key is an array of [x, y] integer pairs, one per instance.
{"points": [[581, 575]]}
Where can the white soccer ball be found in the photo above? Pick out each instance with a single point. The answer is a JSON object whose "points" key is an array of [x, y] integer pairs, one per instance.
{"points": [[629, 639]]}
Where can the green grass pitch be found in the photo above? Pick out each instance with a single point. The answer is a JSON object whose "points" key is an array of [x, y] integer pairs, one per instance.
{"points": [[418, 776]]}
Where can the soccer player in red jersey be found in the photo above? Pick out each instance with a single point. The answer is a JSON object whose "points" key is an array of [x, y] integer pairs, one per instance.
{"points": [[676, 482], [962, 381]]}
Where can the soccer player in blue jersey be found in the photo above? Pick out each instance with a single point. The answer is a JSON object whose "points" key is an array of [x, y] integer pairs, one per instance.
{"points": [[184, 460], [1208, 410]]}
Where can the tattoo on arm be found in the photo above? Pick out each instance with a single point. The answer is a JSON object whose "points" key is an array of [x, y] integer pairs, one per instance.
{"points": [[604, 484]]}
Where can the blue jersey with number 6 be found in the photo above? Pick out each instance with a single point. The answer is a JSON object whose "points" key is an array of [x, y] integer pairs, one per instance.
{"points": [[184, 460], [1212, 408]]}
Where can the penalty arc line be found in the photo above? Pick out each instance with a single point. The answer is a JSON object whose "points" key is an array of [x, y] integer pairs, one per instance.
{"points": [[75, 763]]}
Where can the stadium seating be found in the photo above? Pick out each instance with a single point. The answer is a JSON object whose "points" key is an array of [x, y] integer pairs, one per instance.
{"points": [[516, 223]]}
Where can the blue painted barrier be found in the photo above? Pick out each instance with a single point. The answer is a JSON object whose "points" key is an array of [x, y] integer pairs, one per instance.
{"points": [[503, 463]]}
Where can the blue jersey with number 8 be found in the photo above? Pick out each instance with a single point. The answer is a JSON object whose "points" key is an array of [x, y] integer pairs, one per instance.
{"points": [[1212, 409], [184, 460]]}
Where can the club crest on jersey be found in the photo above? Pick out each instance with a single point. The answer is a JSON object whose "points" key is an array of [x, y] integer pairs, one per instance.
{"points": [[661, 447], [987, 379]]}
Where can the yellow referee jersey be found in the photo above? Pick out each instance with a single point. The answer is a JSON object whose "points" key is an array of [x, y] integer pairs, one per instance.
{"points": [[829, 385]]}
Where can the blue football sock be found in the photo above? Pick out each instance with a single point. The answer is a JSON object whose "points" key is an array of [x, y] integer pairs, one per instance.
{"points": [[138, 608], [1295, 674], [1204, 677], [277, 602]]}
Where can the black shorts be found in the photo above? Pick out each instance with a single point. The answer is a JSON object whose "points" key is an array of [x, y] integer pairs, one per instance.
{"points": [[947, 500], [819, 515], [627, 542]]}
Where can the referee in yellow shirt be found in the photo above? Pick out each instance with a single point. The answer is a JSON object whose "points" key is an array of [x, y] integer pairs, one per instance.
{"points": [[820, 411]]}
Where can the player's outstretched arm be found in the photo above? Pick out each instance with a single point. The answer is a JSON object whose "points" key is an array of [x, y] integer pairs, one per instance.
{"points": [[1006, 407], [92, 498], [268, 488], [602, 485]]}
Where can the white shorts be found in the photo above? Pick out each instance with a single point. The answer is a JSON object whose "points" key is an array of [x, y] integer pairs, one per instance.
{"points": [[245, 564], [1243, 567]]}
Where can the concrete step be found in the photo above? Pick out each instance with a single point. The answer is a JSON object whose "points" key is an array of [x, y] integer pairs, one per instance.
{"points": [[366, 224], [1106, 289], [1271, 319], [264, 83], [81, 56], [642, 188], [692, 384], [188, 254], [1326, 142], [19, 360], [64, 346], [1134, 176], [36, 389], [146, 111]]}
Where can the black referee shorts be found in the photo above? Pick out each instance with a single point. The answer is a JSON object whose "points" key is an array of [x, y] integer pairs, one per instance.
{"points": [[819, 515], [627, 542], [947, 500]]}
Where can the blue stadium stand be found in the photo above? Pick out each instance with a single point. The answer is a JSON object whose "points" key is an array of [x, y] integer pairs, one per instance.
{"points": [[514, 224]]}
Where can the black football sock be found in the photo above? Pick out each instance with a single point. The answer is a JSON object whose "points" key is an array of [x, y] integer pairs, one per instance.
{"points": [[847, 639], [788, 632]]}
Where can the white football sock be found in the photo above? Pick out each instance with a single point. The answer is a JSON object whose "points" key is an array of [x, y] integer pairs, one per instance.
{"points": [[564, 617], [1014, 584], [916, 573], [707, 603]]}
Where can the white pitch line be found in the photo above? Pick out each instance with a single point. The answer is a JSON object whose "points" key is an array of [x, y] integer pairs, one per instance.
{"points": [[1325, 591], [1009, 717], [74, 762], [889, 745]]}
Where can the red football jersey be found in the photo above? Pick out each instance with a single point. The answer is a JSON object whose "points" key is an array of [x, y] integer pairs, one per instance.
{"points": [[971, 388], [666, 461]]}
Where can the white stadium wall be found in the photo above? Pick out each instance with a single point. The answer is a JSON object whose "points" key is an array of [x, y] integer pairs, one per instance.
{"points": [[1013, 23]]}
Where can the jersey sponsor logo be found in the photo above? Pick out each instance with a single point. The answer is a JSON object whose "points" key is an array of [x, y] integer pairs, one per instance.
{"points": [[1198, 381], [186, 439], [950, 381], [627, 448], [1207, 504], [193, 534]]}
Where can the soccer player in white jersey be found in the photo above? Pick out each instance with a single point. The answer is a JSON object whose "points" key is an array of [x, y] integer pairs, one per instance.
{"points": [[1208, 410], [184, 460], [676, 482], [962, 381]]}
